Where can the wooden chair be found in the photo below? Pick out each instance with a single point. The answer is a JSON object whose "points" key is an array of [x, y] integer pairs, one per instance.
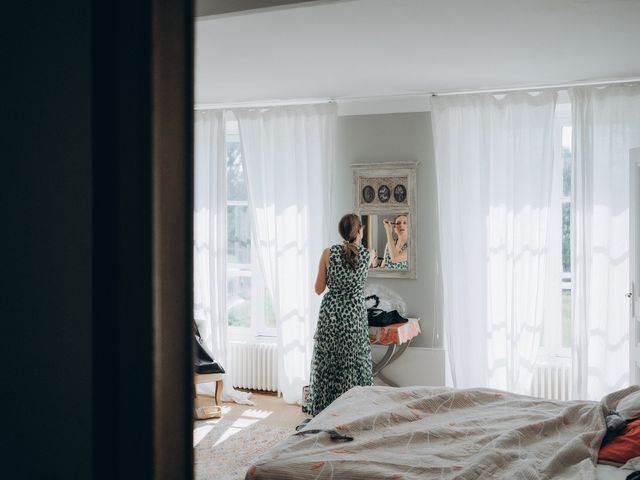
{"points": [[208, 378]]}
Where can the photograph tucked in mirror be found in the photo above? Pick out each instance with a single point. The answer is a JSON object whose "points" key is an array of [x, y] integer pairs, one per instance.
{"points": [[387, 236]]}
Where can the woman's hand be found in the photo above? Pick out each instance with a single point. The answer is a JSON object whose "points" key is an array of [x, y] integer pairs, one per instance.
{"points": [[388, 226], [373, 257]]}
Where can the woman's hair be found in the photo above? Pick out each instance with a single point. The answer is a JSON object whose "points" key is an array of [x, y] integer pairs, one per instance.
{"points": [[349, 226]]}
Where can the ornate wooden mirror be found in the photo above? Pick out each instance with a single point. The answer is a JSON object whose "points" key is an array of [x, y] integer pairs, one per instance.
{"points": [[385, 199]]}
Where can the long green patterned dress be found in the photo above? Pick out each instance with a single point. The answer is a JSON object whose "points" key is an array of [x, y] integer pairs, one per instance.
{"points": [[390, 264], [342, 352]]}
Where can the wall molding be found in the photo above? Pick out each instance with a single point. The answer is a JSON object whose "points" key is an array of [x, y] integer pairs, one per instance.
{"points": [[377, 105]]}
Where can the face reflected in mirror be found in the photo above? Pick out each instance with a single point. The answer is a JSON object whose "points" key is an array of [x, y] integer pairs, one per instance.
{"points": [[400, 226], [387, 237]]}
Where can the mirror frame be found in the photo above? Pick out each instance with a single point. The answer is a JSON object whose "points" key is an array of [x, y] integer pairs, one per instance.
{"points": [[362, 172]]}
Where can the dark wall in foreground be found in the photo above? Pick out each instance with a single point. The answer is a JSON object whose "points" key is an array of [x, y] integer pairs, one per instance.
{"points": [[46, 231], [77, 278]]}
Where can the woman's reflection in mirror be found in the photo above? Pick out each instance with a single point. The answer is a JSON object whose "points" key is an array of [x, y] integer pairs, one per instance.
{"points": [[396, 250]]}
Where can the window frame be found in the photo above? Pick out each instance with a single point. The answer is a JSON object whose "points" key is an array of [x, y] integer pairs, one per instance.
{"points": [[257, 328], [552, 338]]}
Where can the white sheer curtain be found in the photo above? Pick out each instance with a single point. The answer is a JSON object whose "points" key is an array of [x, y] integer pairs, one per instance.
{"points": [[289, 155], [606, 124], [210, 242], [494, 160]]}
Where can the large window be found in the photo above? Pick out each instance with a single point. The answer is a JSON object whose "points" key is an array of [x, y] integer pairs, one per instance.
{"points": [[567, 155], [249, 311], [556, 337]]}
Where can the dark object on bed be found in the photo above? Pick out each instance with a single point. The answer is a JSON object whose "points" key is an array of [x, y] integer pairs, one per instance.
{"points": [[303, 424], [335, 436], [615, 426], [634, 476], [204, 361], [624, 446]]}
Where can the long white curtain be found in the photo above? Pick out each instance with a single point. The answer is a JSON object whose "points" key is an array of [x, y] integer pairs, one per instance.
{"points": [[606, 124], [289, 155], [494, 159], [210, 242], [210, 234]]}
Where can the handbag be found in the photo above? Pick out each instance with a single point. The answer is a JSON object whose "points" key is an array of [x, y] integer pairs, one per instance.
{"points": [[377, 317], [204, 361], [381, 318]]}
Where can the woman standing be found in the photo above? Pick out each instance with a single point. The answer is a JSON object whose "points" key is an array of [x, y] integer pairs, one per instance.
{"points": [[395, 252], [342, 353]]}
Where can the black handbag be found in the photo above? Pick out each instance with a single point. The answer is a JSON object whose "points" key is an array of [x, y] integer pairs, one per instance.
{"points": [[204, 361], [382, 318]]}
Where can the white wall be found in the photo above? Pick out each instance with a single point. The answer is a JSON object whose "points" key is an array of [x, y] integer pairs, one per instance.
{"points": [[398, 137]]}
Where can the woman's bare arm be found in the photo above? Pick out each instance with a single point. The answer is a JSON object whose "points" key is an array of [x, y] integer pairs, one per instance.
{"points": [[321, 279]]}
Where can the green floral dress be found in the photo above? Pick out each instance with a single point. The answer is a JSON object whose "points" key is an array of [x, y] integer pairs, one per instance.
{"points": [[391, 265], [342, 352]]}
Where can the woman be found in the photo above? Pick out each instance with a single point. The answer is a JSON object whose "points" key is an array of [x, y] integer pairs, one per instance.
{"points": [[342, 353], [395, 252]]}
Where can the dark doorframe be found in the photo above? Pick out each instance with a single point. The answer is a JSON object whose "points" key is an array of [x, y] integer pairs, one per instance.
{"points": [[96, 189], [142, 229], [142, 114], [173, 72]]}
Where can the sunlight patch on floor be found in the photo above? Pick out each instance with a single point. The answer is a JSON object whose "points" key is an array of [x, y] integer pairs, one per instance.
{"points": [[243, 421], [256, 413], [200, 432], [236, 427]]}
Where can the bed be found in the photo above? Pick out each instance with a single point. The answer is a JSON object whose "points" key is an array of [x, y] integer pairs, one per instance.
{"points": [[443, 433]]}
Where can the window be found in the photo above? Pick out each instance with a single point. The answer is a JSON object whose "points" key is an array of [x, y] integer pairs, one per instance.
{"points": [[567, 155], [249, 312], [556, 338]]}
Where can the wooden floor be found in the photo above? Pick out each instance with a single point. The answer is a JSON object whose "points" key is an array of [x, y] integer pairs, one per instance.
{"points": [[270, 408]]}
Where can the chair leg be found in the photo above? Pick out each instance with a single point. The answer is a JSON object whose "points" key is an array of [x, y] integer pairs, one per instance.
{"points": [[219, 386]]}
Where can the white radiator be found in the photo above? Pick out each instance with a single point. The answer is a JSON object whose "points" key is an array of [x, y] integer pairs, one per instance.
{"points": [[253, 365], [552, 382]]}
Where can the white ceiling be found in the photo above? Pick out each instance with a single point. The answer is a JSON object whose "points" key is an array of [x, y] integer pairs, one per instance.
{"points": [[362, 48]]}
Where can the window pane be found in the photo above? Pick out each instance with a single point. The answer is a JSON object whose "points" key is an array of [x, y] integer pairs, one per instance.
{"points": [[566, 161], [566, 238], [238, 234], [269, 315], [236, 188], [239, 301], [566, 319]]}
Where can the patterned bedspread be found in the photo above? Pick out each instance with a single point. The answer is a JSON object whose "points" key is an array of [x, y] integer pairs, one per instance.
{"points": [[442, 433]]}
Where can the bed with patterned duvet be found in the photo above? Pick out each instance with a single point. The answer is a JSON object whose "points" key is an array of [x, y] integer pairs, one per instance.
{"points": [[442, 433]]}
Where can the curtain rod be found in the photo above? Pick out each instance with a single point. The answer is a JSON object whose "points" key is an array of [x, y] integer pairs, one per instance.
{"points": [[315, 101], [539, 87], [263, 104]]}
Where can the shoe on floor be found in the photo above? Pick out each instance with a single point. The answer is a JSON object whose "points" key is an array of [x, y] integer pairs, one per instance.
{"points": [[206, 412]]}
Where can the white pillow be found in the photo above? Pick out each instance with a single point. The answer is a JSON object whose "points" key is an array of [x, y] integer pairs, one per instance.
{"points": [[629, 406]]}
